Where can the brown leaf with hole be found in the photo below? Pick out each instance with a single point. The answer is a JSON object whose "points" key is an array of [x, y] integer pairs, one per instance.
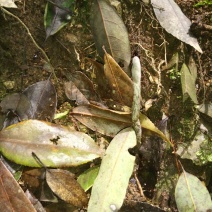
{"points": [[12, 197], [119, 81], [63, 184]]}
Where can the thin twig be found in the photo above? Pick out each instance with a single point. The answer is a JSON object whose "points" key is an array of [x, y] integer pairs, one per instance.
{"points": [[30, 35]]}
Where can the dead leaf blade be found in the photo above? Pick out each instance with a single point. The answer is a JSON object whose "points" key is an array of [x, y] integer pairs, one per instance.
{"points": [[12, 197], [177, 24], [119, 81], [104, 121], [63, 184]]}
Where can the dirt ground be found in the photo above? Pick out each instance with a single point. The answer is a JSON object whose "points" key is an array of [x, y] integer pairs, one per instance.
{"points": [[22, 64]]}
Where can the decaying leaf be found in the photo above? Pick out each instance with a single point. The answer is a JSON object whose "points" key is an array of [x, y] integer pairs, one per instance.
{"points": [[12, 197], [57, 15], [110, 122], [104, 121], [73, 93], [110, 186], [191, 194], [119, 81], [188, 79], [109, 31], [35, 202], [56, 146], [177, 23], [80, 88], [16, 107], [63, 184], [43, 99]]}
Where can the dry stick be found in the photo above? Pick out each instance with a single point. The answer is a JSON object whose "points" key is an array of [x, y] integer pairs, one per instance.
{"points": [[30, 35]]}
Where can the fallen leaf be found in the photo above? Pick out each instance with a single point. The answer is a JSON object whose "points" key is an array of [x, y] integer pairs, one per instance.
{"points": [[16, 107], [177, 23], [7, 3], [110, 122], [35, 202], [188, 80], [87, 178], [83, 88], [119, 81], [57, 15], [12, 197], [109, 31], [117, 165], [73, 93], [63, 184], [56, 146], [191, 194], [43, 99], [104, 121]]}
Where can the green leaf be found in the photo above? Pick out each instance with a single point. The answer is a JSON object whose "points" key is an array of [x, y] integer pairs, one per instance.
{"points": [[57, 15], [109, 31], [188, 84], [55, 146], [110, 186], [87, 178], [191, 195]]}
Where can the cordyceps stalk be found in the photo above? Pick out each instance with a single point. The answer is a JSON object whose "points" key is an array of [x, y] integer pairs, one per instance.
{"points": [[136, 77]]}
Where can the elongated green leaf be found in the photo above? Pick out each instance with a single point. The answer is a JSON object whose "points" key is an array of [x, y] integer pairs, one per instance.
{"points": [[56, 146], [191, 195], [188, 84], [109, 30], [110, 186], [87, 178]]}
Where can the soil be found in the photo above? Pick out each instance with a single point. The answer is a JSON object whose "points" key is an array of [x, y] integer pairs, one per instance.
{"points": [[22, 64]]}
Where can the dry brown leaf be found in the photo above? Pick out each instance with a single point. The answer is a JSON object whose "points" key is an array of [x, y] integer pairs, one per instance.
{"points": [[12, 197], [63, 184], [119, 81]]}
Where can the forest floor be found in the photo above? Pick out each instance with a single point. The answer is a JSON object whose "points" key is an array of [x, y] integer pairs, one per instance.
{"points": [[22, 64]]}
